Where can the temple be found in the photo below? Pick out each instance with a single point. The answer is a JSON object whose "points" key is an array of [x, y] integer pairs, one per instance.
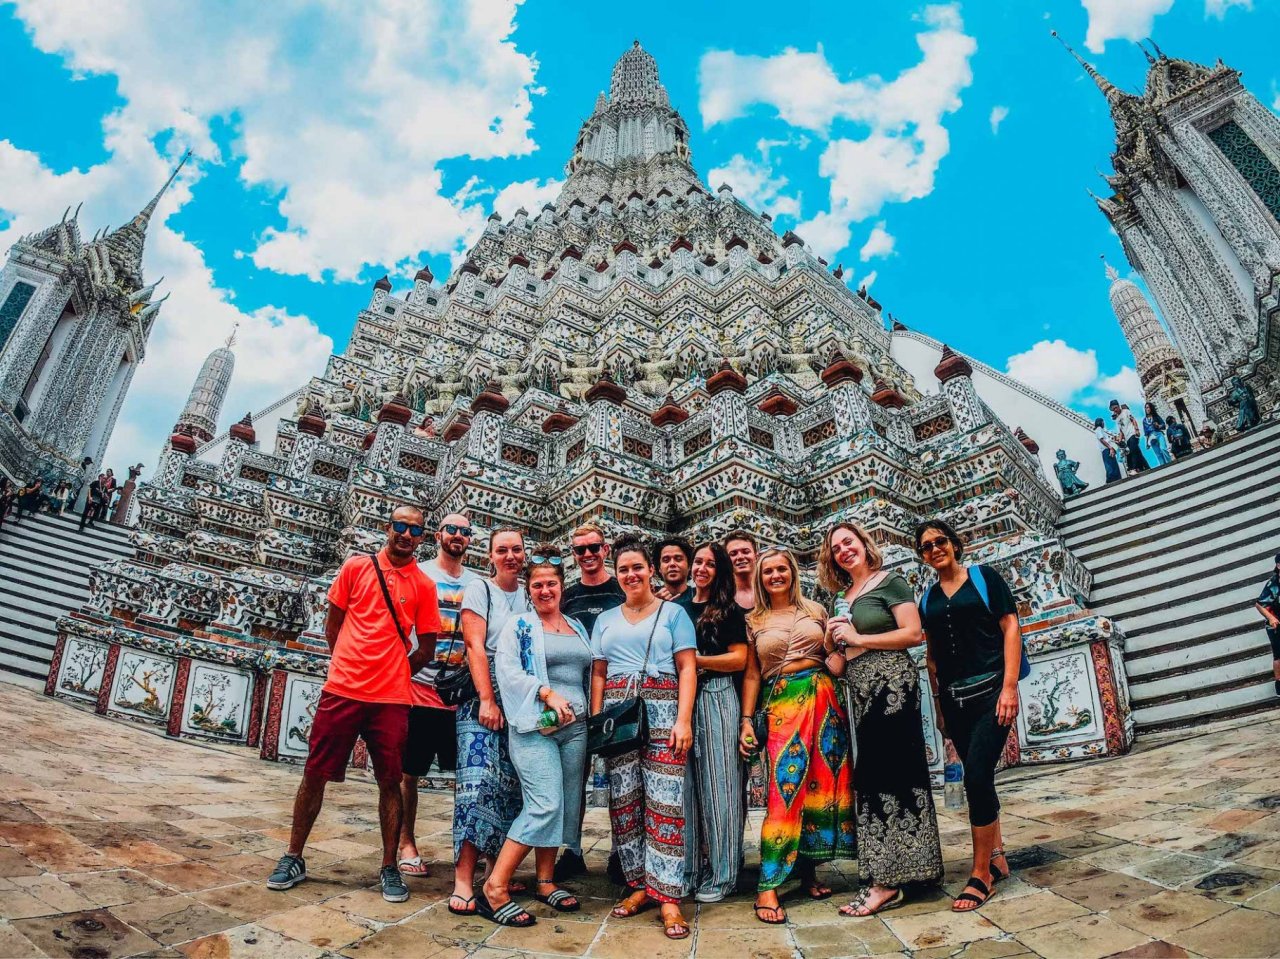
{"points": [[1196, 204], [644, 352], [74, 322]]}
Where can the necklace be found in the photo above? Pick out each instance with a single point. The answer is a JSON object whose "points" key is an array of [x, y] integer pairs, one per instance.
{"points": [[640, 609]]}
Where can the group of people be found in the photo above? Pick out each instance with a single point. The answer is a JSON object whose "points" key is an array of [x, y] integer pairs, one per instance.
{"points": [[37, 495], [1167, 438], [729, 663]]}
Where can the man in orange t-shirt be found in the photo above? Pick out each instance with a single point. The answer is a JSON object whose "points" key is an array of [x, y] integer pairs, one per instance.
{"points": [[367, 692]]}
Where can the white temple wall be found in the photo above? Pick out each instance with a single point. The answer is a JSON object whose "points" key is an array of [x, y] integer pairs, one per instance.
{"points": [[1213, 236], [1051, 428]]}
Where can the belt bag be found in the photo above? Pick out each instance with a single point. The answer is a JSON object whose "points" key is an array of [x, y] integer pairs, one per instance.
{"points": [[623, 726], [965, 691]]}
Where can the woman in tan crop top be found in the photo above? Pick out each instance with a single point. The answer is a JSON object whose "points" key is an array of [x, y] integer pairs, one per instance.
{"points": [[809, 814]]}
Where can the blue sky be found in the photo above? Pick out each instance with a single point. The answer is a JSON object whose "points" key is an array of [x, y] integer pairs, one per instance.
{"points": [[941, 153]]}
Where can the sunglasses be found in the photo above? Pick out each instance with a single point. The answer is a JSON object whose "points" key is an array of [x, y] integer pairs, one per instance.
{"points": [[400, 526], [539, 560], [591, 548], [929, 545], [452, 529]]}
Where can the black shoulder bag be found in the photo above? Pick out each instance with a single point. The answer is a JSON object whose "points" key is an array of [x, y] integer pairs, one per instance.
{"points": [[623, 726], [454, 683]]}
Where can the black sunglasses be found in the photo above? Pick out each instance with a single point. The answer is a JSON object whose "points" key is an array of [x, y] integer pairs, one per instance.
{"points": [[538, 560], [929, 545], [452, 529], [591, 548], [400, 526]]}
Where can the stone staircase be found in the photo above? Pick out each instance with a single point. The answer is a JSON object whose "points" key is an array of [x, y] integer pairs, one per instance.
{"points": [[44, 572], [1179, 554]]}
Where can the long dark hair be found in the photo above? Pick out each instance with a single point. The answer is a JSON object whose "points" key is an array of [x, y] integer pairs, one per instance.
{"points": [[721, 603]]}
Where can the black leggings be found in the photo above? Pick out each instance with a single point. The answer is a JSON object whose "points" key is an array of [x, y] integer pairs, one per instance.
{"points": [[979, 739], [1273, 634]]}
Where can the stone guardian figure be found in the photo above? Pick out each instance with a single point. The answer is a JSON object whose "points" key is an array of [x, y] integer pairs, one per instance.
{"points": [[1245, 403], [1072, 485]]}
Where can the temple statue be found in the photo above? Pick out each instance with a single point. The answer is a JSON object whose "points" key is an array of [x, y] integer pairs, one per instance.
{"points": [[1245, 403], [1066, 470]]}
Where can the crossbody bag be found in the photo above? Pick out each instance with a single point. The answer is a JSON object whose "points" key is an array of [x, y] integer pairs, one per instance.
{"points": [[391, 608], [623, 726], [454, 683]]}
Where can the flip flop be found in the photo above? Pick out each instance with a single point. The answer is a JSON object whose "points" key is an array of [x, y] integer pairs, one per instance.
{"points": [[780, 915], [975, 883], [413, 867], [561, 900], [509, 913], [468, 900], [860, 903]]}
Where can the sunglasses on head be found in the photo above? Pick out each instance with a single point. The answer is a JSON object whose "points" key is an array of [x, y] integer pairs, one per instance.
{"points": [[400, 526], [591, 548], [929, 545], [538, 559], [452, 529]]}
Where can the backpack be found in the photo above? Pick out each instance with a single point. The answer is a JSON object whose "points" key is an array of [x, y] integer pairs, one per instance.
{"points": [[980, 584]]}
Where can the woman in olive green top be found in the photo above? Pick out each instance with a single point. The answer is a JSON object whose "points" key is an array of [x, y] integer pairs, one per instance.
{"points": [[876, 622]]}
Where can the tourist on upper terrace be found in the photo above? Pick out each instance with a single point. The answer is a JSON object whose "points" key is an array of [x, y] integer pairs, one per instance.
{"points": [[647, 648], [802, 728], [487, 790], [6, 497], [28, 498], [1179, 437], [1269, 606], [1130, 436], [108, 486], [586, 599], [60, 497], [975, 659], [1153, 428], [672, 558], [432, 733], [543, 667], [92, 501], [876, 622], [1208, 437], [715, 780], [742, 549], [1108, 448], [374, 603]]}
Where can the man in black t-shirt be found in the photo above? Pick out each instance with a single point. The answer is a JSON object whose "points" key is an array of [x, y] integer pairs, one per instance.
{"points": [[596, 591], [672, 558], [585, 600]]}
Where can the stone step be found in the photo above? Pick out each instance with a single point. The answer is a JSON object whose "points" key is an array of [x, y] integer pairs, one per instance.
{"points": [[34, 640], [23, 581], [1211, 624], [1197, 488], [1104, 498], [72, 580], [58, 547], [1203, 647], [1193, 609], [67, 529], [1149, 578], [44, 604], [1178, 514], [15, 665], [1173, 597], [1208, 705], [1259, 525], [43, 557], [1201, 675]]}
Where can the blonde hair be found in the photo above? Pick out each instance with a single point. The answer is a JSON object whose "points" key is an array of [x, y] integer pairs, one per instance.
{"points": [[588, 529], [831, 576], [763, 604]]}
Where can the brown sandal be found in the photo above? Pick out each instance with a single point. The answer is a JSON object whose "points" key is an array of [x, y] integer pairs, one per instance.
{"points": [[676, 922], [633, 905]]}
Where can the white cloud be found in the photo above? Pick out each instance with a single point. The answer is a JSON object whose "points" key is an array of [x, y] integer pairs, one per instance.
{"points": [[879, 243], [1219, 8], [998, 114], [867, 281], [755, 185], [896, 159], [278, 350], [1069, 375], [532, 195], [348, 136], [1121, 20]]}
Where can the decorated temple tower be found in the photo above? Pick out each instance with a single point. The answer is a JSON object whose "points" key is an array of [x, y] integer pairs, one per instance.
{"points": [[1196, 205], [204, 404], [1161, 372], [74, 322], [643, 352]]}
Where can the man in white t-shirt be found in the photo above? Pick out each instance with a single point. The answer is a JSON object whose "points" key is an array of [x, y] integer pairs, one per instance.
{"points": [[431, 727]]}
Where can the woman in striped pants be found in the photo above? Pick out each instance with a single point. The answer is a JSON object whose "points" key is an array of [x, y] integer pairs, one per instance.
{"points": [[715, 771]]}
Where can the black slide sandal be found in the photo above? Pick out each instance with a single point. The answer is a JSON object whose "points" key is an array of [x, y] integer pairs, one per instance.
{"points": [[509, 914], [975, 883]]}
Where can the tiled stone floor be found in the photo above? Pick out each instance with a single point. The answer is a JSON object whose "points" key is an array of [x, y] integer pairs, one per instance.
{"points": [[117, 842]]}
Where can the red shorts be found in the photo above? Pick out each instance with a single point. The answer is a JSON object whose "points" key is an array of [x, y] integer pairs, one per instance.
{"points": [[384, 727]]}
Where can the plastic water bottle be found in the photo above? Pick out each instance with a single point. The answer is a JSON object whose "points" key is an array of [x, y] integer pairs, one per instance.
{"points": [[953, 786], [842, 607]]}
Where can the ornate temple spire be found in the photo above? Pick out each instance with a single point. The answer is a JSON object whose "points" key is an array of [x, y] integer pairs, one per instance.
{"points": [[1109, 89], [125, 244], [204, 404], [1154, 355]]}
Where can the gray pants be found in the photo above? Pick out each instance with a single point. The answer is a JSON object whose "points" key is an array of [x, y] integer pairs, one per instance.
{"points": [[550, 769], [713, 791]]}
